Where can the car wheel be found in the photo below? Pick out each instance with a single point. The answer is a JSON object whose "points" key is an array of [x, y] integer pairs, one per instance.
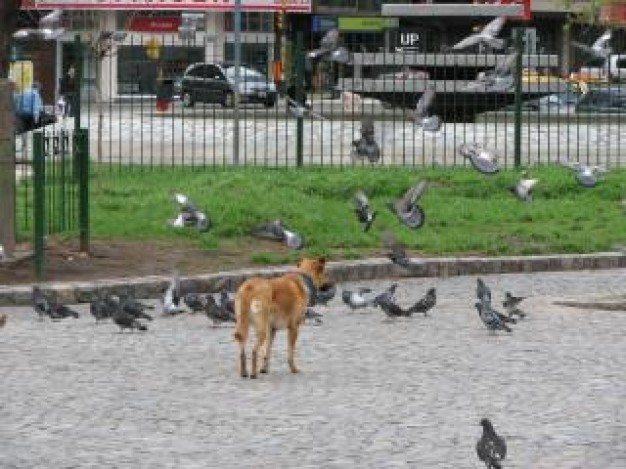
{"points": [[269, 103], [228, 100], [187, 99]]}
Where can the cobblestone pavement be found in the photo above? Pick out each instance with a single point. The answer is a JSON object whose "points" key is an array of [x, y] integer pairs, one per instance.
{"points": [[371, 394]]}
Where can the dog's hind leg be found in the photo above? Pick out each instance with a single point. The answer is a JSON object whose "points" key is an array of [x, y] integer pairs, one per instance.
{"points": [[292, 337], [241, 336], [243, 369], [261, 337], [268, 350]]}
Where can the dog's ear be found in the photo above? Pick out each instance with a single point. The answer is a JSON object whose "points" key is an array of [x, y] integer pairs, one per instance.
{"points": [[321, 264]]}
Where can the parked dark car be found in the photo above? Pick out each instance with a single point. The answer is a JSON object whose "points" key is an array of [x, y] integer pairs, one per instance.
{"points": [[605, 99], [215, 83]]}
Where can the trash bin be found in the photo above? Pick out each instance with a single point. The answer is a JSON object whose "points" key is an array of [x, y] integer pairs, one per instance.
{"points": [[164, 93]]}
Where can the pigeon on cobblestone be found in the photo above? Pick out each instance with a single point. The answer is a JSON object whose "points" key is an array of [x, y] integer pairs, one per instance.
{"points": [[216, 313], [511, 304], [392, 309], [483, 292], [189, 215], [124, 319], [366, 146], [60, 311], [406, 208], [362, 208], [492, 318], [397, 252], [485, 37], [523, 190], [172, 297], [227, 302], [388, 295], [41, 303], [425, 304], [101, 308], [490, 448], [325, 293], [3, 320], [483, 159], [134, 308], [355, 299], [194, 301], [312, 315]]}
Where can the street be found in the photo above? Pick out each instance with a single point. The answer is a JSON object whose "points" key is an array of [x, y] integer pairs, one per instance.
{"points": [[409, 393]]}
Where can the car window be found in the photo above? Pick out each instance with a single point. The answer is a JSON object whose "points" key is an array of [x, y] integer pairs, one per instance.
{"points": [[213, 71], [195, 71], [246, 74]]}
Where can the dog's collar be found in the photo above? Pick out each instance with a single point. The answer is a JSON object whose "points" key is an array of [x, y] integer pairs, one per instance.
{"points": [[310, 286]]}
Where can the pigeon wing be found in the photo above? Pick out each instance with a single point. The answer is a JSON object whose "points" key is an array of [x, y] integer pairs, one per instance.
{"points": [[424, 103], [330, 41], [494, 27], [507, 65], [361, 202]]}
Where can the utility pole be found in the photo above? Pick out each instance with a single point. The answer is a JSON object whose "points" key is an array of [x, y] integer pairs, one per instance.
{"points": [[8, 17], [237, 17]]}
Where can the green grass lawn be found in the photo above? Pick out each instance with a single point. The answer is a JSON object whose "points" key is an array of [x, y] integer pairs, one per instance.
{"points": [[466, 212]]}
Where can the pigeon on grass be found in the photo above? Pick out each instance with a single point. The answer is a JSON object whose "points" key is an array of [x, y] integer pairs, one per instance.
{"points": [[490, 448], [587, 176], [397, 252], [276, 231], [406, 207], [523, 190], [511, 304], [365, 215], [189, 215], [483, 159]]}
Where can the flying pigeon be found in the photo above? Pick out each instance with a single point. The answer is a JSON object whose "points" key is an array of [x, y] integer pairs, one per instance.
{"points": [[523, 190], [492, 318], [511, 304], [355, 299], [600, 48], [421, 114], [587, 176], [189, 215], [363, 211], [483, 159], [275, 230], [491, 448], [397, 252], [425, 304], [483, 292], [330, 49], [406, 208], [299, 110], [171, 299], [314, 316], [485, 37], [52, 19], [499, 79], [125, 319], [366, 146]]}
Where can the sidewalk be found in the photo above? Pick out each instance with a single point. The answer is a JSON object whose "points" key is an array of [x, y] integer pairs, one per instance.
{"points": [[369, 269]]}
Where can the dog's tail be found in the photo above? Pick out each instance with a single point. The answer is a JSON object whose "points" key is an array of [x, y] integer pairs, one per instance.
{"points": [[242, 319]]}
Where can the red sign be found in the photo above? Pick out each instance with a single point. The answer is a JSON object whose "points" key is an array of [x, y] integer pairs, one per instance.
{"points": [[161, 24], [614, 14], [526, 16], [293, 6]]}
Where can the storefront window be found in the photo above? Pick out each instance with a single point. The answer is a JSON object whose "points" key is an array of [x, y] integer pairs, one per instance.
{"points": [[251, 22]]}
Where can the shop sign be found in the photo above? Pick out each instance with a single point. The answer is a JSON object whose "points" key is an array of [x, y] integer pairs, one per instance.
{"points": [[21, 73], [321, 23], [157, 24], [366, 23]]}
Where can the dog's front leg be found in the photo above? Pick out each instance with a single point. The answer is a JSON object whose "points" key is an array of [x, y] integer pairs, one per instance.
{"points": [[243, 367], [268, 350], [292, 337]]}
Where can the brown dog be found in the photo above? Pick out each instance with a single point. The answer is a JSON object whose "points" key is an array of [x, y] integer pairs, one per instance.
{"points": [[272, 304]]}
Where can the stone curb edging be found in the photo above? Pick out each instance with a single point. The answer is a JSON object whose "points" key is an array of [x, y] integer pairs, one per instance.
{"points": [[344, 271]]}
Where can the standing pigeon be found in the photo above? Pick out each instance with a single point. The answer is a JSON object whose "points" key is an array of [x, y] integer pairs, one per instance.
{"points": [[421, 115], [60, 311], [189, 214], [313, 315], [490, 448], [194, 301], [366, 146], [483, 159], [133, 307], [523, 190], [483, 292], [124, 319], [491, 318], [216, 313], [511, 304], [425, 304], [41, 303], [355, 299], [406, 208], [485, 37], [363, 211], [275, 230], [101, 308], [171, 299], [587, 176]]}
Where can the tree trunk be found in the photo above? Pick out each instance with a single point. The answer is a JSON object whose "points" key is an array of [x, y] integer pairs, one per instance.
{"points": [[8, 20]]}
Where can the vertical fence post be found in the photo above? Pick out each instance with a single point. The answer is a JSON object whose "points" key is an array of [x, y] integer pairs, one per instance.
{"points": [[39, 203], [300, 99], [517, 139], [82, 148], [7, 168], [78, 51]]}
